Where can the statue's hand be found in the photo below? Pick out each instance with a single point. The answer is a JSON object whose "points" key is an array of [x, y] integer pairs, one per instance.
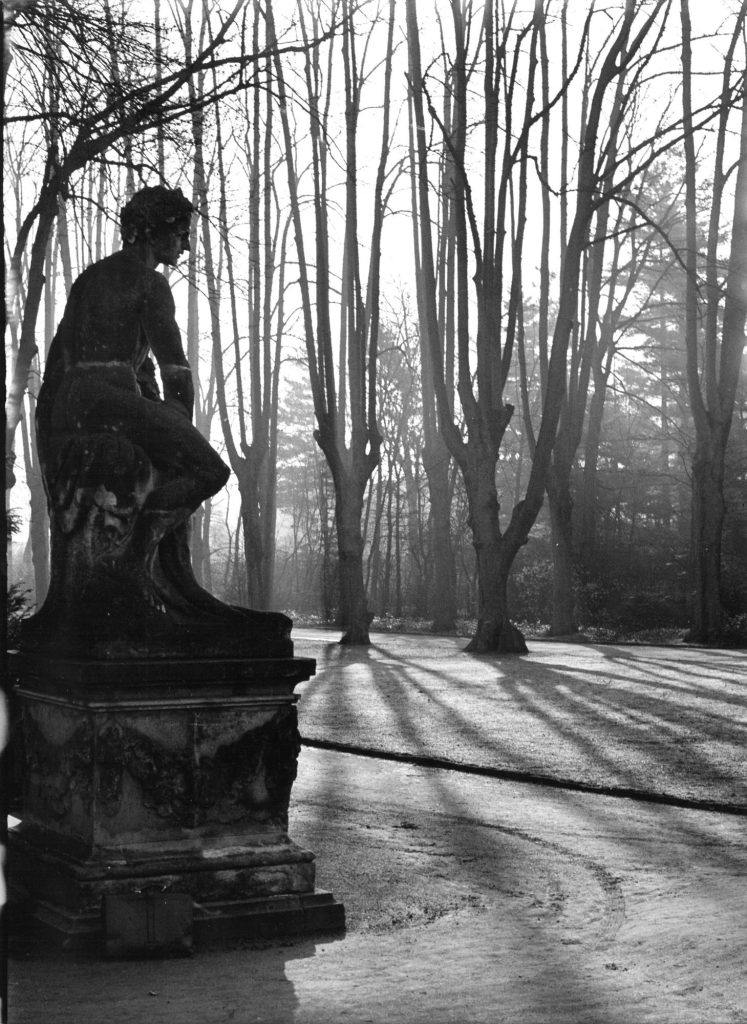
{"points": [[178, 388]]}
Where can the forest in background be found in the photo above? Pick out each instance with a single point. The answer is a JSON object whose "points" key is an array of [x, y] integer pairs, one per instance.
{"points": [[465, 300]]}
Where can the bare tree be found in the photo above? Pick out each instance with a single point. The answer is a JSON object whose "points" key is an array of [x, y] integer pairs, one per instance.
{"points": [[251, 358], [721, 309], [343, 382], [497, 293], [437, 291], [100, 108]]}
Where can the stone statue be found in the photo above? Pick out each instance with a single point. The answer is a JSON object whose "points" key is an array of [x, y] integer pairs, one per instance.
{"points": [[125, 468]]}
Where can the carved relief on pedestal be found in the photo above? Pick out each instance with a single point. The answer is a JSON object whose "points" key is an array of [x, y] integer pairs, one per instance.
{"points": [[249, 778], [58, 771]]}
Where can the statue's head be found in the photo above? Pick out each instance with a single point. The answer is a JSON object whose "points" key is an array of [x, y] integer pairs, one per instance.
{"points": [[155, 210]]}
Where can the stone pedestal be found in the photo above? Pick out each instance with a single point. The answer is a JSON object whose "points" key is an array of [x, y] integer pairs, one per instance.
{"points": [[156, 780]]}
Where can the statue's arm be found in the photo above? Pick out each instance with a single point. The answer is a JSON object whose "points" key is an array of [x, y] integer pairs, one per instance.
{"points": [[165, 342]]}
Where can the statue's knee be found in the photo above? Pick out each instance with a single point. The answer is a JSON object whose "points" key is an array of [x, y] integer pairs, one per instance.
{"points": [[222, 473], [212, 476]]}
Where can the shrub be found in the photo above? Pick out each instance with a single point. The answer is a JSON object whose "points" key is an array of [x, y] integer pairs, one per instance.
{"points": [[734, 631], [530, 591], [649, 610], [17, 609]]}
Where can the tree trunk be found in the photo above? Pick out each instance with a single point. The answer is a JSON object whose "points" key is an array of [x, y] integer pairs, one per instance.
{"points": [[386, 590], [443, 603], [563, 598], [343, 389], [411, 476], [588, 516], [353, 606], [373, 570], [252, 472], [398, 550], [327, 569], [27, 348], [495, 631], [712, 378], [39, 519], [708, 512]]}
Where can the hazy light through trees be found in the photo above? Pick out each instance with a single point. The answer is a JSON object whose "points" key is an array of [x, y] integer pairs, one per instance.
{"points": [[144, 119]]}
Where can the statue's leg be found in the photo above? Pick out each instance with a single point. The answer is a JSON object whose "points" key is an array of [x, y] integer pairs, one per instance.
{"points": [[189, 469], [172, 571], [192, 470], [186, 471]]}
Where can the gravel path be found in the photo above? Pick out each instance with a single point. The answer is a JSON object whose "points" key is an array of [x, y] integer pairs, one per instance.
{"points": [[469, 901]]}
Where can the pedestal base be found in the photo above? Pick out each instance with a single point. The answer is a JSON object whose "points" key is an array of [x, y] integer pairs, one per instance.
{"points": [[213, 926], [159, 791]]}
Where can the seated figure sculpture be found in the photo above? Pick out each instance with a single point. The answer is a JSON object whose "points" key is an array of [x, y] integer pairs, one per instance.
{"points": [[124, 468]]}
